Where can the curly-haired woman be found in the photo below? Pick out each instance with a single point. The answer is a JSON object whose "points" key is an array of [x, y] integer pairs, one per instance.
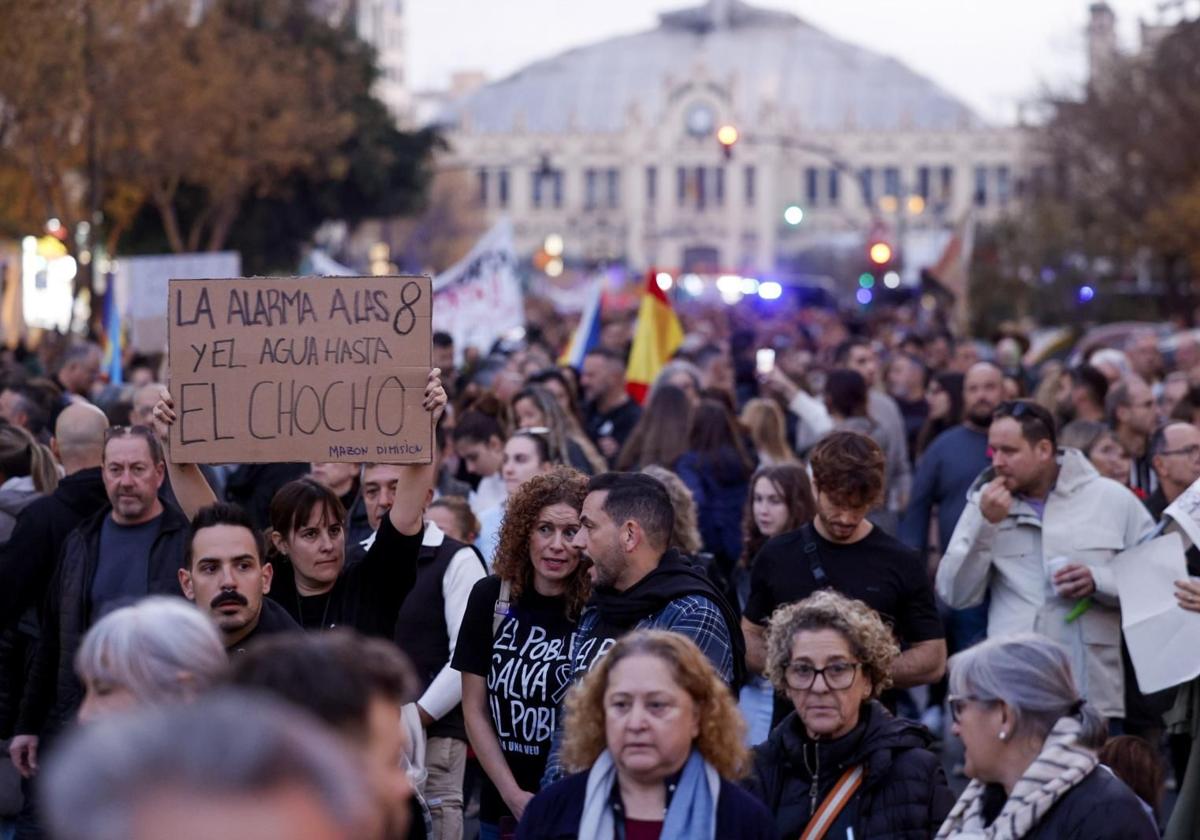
{"points": [[841, 761], [514, 645], [656, 739]]}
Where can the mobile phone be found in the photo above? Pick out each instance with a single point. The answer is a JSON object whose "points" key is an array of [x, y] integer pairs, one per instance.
{"points": [[764, 361]]}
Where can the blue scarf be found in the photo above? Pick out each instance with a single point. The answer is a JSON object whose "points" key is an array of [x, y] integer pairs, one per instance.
{"points": [[692, 814]]}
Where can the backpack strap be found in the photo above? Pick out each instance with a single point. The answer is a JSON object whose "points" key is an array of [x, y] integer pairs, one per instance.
{"points": [[834, 803], [503, 603]]}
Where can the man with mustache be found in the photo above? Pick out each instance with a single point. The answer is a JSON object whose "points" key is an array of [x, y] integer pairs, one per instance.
{"points": [[226, 577]]}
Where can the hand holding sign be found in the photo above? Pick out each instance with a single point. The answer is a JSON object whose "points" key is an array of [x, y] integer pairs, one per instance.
{"points": [[1187, 593], [435, 398], [164, 417]]}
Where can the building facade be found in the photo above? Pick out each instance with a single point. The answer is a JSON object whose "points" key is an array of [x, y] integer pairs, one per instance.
{"points": [[613, 147], [379, 23]]}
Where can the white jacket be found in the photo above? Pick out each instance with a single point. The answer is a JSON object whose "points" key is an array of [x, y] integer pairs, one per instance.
{"points": [[1089, 519]]}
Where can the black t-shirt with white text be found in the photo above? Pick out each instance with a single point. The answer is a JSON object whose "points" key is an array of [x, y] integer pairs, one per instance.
{"points": [[527, 666], [878, 570]]}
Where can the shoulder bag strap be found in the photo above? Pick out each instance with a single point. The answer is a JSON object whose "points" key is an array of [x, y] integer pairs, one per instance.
{"points": [[833, 804], [813, 555], [502, 606]]}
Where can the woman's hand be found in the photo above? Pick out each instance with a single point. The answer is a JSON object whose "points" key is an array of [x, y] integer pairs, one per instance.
{"points": [[516, 801], [1187, 593], [435, 395], [164, 415]]}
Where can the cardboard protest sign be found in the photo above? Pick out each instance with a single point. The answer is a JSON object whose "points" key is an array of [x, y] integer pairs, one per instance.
{"points": [[269, 369]]}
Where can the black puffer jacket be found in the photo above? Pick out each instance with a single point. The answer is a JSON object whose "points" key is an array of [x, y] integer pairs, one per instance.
{"points": [[904, 795]]}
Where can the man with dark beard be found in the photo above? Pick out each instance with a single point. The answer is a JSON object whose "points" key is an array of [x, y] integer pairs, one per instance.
{"points": [[227, 578]]}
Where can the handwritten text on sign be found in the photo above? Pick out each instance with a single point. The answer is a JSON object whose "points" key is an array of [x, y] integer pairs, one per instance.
{"points": [[300, 369]]}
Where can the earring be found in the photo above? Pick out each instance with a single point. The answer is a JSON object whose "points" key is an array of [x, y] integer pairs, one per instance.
{"points": [[1003, 736]]}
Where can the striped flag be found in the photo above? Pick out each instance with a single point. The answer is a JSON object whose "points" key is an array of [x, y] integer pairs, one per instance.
{"points": [[587, 334], [658, 336]]}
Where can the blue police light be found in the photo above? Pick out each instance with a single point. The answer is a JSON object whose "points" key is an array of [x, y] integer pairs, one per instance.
{"points": [[1086, 293]]}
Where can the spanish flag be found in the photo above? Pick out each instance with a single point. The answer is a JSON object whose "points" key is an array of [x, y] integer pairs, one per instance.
{"points": [[658, 336]]}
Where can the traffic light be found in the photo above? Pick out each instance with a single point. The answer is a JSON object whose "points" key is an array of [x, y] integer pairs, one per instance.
{"points": [[727, 136], [879, 252]]}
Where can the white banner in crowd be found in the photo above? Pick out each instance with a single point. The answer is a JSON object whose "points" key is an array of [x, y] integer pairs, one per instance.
{"points": [[478, 299], [141, 285]]}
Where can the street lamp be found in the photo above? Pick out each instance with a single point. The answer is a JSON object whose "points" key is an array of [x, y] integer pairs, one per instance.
{"points": [[727, 136]]}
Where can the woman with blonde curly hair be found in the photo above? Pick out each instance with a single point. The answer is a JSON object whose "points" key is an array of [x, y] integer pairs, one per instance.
{"points": [[656, 741], [514, 645], [840, 765]]}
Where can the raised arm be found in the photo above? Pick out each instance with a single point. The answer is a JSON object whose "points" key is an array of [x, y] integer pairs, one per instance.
{"points": [[408, 509], [187, 481]]}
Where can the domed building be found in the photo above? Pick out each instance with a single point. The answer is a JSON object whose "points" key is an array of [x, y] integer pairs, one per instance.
{"points": [[613, 147]]}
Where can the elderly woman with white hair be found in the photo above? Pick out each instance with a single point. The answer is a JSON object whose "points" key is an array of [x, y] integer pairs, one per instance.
{"points": [[159, 650], [1024, 728]]}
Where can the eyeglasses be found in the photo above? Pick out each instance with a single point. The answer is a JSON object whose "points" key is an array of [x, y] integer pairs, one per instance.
{"points": [[838, 675], [1190, 451], [959, 702]]}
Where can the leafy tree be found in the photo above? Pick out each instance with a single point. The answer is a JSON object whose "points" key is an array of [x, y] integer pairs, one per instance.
{"points": [[246, 125]]}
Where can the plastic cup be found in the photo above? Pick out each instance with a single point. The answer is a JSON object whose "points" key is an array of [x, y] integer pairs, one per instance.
{"points": [[1053, 566]]}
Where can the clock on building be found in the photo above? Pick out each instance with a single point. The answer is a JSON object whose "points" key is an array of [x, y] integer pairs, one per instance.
{"points": [[700, 120]]}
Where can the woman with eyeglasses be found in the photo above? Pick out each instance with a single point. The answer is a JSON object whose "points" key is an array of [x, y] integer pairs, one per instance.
{"points": [[840, 765], [1023, 726]]}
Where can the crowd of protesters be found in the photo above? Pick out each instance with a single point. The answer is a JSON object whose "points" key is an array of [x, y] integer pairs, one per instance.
{"points": [[762, 604]]}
